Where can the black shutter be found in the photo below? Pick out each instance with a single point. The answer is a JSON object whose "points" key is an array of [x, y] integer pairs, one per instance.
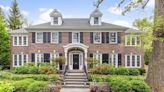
{"points": [[103, 37], [44, 37], [107, 37], [91, 37], [119, 37], [33, 57], [60, 37], [70, 37], [91, 55], [33, 37], [46, 57], [119, 59], [81, 37], [49, 37], [60, 54]]}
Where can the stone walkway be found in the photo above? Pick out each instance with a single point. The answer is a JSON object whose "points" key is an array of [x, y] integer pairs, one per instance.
{"points": [[75, 90]]}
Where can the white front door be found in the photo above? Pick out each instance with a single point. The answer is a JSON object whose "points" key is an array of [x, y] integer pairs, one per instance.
{"points": [[75, 61]]}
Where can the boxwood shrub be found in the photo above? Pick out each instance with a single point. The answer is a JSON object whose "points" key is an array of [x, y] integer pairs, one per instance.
{"points": [[37, 86]]}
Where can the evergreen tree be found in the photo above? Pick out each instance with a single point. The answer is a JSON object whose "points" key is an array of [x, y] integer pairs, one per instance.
{"points": [[4, 47], [15, 20]]}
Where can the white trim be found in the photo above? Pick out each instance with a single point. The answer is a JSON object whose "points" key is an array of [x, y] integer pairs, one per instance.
{"points": [[18, 61], [131, 61], [57, 37], [94, 41], [78, 37], [22, 42], [36, 37], [116, 38], [127, 37]]}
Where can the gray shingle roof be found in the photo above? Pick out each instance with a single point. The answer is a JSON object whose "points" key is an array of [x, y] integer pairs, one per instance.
{"points": [[77, 23], [55, 13], [18, 31], [96, 13]]}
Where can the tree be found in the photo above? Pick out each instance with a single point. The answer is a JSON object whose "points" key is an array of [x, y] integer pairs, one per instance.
{"points": [[4, 46], [15, 20], [1, 13], [155, 77]]}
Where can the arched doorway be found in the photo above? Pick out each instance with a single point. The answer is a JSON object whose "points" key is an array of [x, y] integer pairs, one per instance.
{"points": [[75, 56]]}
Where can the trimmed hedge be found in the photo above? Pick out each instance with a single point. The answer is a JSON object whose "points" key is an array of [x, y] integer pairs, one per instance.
{"points": [[37, 86], [122, 83], [106, 69]]}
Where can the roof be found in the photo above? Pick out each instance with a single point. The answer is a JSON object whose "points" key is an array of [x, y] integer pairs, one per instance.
{"points": [[18, 31], [131, 30], [77, 23], [96, 13], [55, 13]]}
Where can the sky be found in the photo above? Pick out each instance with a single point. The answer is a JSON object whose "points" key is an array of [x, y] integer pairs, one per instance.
{"points": [[37, 11]]}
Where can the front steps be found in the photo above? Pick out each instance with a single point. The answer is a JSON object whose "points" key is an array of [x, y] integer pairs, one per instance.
{"points": [[75, 79]]}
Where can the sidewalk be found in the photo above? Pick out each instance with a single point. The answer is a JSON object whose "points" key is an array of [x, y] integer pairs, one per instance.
{"points": [[75, 90]]}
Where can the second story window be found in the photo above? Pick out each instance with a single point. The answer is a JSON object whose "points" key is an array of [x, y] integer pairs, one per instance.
{"points": [[96, 20], [39, 37], [113, 37], [132, 40], [20, 40], [55, 37], [97, 37], [75, 37], [55, 20]]}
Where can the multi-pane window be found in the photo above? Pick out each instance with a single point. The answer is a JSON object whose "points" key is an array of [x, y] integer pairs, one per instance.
{"points": [[96, 20], [75, 37], [39, 37], [132, 40], [19, 59], [133, 61], [113, 59], [20, 40], [55, 19], [97, 37], [55, 37], [113, 37], [39, 57]]}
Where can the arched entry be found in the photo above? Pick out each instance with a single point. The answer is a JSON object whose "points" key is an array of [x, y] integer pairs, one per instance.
{"points": [[75, 56]]}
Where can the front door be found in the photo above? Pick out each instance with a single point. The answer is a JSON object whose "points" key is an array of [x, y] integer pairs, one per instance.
{"points": [[75, 61]]}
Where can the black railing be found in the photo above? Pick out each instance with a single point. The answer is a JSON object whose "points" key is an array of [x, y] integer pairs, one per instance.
{"points": [[85, 70], [65, 70]]}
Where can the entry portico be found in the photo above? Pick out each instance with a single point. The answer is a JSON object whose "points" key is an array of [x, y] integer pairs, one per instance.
{"points": [[76, 55]]}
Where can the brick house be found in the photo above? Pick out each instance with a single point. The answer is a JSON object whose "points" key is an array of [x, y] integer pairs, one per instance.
{"points": [[77, 39]]}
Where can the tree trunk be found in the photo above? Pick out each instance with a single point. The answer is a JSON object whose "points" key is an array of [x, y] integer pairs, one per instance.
{"points": [[155, 77]]}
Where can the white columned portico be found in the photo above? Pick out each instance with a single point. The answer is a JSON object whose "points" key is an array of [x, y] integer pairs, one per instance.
{"points": [[68, 54]]}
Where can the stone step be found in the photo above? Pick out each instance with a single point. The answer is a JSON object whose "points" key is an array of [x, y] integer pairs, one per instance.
{"points": [[75, 71], [74, 80], [76, 74], [75, 83], [75, 86], [75, 77]]}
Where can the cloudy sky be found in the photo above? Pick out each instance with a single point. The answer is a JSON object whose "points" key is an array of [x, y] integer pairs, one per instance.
{"points": [[37, 11]]}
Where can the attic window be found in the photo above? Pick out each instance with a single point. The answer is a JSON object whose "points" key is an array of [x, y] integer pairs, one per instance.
{"points": [[96, 20], [55, 20]]}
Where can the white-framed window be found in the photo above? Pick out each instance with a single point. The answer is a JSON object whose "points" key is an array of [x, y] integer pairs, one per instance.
{"points": [[19, 59], [97, 37], [55, 20], [132, 40], [132, 61], [39, 37], [53, 56], [98, 57], [54, 37], [39, 57], [96, 20], [113, 59], [76, 37], [20, 40], [113, 37]]}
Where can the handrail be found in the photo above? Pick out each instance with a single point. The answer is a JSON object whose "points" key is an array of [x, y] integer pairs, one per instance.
{"points": [[65, 69], [85, 70]]}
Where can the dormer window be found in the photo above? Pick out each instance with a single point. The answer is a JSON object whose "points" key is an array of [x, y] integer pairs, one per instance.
{"points": [[55, 20], [96, 20]]}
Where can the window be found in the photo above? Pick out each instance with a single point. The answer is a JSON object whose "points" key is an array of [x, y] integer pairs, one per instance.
{"points": [[55, 37], [20, 40], [97, 37], [75, 37], [113, 59], [39, 37], [113, 37], [133, 61], [96, 20], [97, 56], [39, 57], [55, 20], [105, 58], [19, 59], [53, 56], [132, 40]]}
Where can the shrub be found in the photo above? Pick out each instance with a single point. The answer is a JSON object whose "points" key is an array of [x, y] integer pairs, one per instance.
{"points": [[21, 70], [6, 87], [139, 86], [101, 69], [33, 70], [22, 85], [47, 70], [142, 71], [134, 72], [121, 71], [41, 77], [54, 77], [37, 86]]}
